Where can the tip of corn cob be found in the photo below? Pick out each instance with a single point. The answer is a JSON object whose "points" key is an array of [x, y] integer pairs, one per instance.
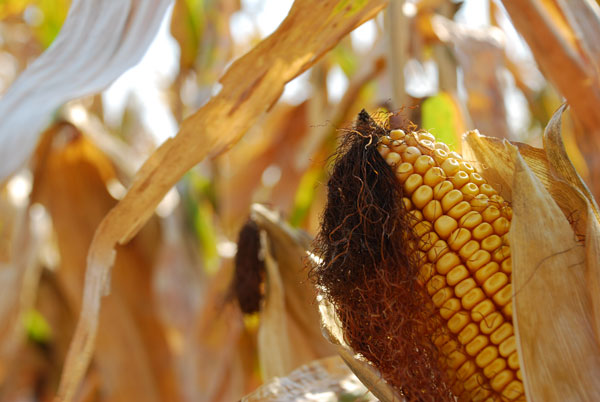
{"points": [[416, 261]]}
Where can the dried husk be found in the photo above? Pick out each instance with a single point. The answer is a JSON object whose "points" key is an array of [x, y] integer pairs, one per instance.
{"points": [[556, 279], [289, 334], [326, 378]]}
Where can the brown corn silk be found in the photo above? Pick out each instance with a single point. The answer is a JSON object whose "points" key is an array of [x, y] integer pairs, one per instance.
{"points": [[369, 270], [387, 245], [249, 269]]}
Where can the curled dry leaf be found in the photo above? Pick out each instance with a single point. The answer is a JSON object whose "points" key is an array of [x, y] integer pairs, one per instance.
{"points": [[289, 334], [249, 87], [98, 42], [327, 379]]}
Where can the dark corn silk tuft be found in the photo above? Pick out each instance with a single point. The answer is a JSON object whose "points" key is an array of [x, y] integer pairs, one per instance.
{"points": [[370, 270], [249, 269]]}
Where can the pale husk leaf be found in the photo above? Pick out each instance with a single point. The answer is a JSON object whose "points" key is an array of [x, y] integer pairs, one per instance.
{"points": [[587, 216], [289, 334], [558, 352], [328, 379]]}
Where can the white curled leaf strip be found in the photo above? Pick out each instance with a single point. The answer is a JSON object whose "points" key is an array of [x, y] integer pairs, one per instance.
{"points": [[99, 41]]}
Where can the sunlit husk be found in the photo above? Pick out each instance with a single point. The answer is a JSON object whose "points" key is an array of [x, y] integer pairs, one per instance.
{"points": [[289, 334], [555, 274]]}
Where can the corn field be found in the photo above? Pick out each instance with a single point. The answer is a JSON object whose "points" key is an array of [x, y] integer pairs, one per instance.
{"points": [[308, 200]]}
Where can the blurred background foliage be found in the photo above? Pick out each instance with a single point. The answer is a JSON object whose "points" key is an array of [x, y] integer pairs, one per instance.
{"points": [[169, 330]]}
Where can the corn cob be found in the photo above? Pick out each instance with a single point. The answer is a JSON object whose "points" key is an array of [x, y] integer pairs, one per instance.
{"points": [[465, 264]]}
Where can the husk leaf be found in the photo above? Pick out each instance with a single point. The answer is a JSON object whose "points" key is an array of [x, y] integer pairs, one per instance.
{"points": [[559, 355], [289, 334], [551, 268], [326, 377]]}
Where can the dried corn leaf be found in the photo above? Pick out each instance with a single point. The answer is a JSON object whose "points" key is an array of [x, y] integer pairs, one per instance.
{"points": [[557, 345], [98, 42], [325, 380], [70, 181], [561, 51], [289, 333], [250, 86]]}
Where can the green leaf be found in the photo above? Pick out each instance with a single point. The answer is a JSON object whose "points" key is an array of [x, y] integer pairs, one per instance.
{"points": [[36, 327], [305, 195], [438, 116]]}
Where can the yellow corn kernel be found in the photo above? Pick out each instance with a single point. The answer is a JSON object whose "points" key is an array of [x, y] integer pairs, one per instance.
{"points": [[494, 283], [452, 198], [397, 134], [476, 345], [404, 170], [482, 310], [423, 163], [459, 179], [504, 296], [491, 243], [482, 230], [432, 210], [472, 297], [459, 238], [459, 210], [457, 274], [458, 321], [486, 355], [491, 322], [477, 179], [464, 287], [495, 367], [486, 271], [434, 176], [450, 307], [504, 331], [469, 332], [487, 190], [478, 259], [422, 196], [507, 347], [445, 225], [470, 190], [411, 154], [413, 182], [447, 262], [441, 189], [502, 379], [436, 283]]}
